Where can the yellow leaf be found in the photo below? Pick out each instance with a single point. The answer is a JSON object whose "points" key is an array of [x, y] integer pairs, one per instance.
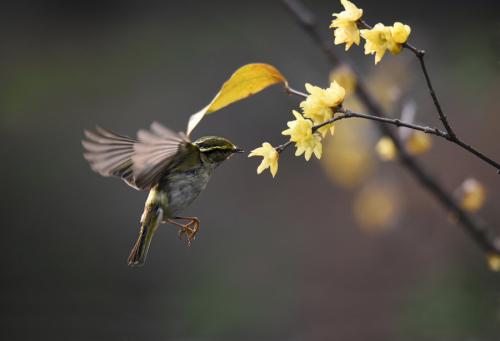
{"points": [[493, 262], [246, 81]]}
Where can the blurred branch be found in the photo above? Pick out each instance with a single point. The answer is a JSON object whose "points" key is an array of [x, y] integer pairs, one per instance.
{"points": [[476, 231]]}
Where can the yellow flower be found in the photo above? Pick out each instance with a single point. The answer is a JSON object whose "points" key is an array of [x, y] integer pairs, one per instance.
{"points": [[348, 159], [386, 149], [377, 207], [418, 143], [300, 131], [346, 29], [310, 146], [382, 38], [378, 40], [400, 32], [493, 261], [270, 158], [319, 105], [472, 195]]}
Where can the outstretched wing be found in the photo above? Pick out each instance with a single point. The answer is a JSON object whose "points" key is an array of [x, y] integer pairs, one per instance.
{"points": [[140, 163]]}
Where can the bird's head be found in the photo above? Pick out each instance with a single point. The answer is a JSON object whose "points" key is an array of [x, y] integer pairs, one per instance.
{"points": [[216, 149]]}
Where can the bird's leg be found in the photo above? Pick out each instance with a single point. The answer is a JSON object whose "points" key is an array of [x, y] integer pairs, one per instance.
{"points": [[190, 228]]}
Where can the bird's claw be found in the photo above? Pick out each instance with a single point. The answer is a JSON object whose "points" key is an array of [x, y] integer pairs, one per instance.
{"points": [[190, 230]]}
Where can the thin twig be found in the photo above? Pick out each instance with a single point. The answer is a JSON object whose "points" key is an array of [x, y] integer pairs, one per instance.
{"points": [[394, 121], [420, 55], [450, 134], [476, 231], [442, 116], [283, 146]]}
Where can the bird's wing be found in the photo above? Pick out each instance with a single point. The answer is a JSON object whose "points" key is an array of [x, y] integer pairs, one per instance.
{"points": [[110, 154], [154, 153], [140, 163]]}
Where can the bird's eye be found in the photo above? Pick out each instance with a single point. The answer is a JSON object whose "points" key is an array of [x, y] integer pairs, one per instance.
{"points": [[218, 155]]}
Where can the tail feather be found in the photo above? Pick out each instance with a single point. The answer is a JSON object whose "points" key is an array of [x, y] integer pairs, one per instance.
{"points": [[139, 252], [151, 220]]}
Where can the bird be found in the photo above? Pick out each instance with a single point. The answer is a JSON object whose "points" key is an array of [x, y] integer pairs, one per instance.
{"points": [[167, 164]]}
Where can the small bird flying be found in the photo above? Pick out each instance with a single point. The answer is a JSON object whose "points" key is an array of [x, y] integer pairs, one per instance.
{"points": [[167, 164]]}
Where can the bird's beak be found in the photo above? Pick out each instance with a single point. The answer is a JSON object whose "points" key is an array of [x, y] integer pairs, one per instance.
{"points": [[238, 150]]}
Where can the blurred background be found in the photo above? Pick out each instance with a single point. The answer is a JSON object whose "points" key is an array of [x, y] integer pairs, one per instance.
{"points": [[346, 248]]}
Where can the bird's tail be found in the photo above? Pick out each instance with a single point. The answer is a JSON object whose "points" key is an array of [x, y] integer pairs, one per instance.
{"points": [[151, 219]]}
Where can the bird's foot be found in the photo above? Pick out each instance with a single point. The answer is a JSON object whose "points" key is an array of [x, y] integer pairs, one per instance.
{"points": [[190, 229]]}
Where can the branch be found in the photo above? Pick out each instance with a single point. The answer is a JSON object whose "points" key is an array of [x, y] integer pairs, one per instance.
{"points": [[393, 121], [398, 123], [442, 116], [350, 114], [450, 134], [420, 55], [475, 231], [283, 146]]}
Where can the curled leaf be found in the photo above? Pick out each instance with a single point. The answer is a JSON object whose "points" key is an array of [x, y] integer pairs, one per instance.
{"points": [[244, 82]]}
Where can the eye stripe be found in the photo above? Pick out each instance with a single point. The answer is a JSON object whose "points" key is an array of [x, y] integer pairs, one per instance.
{"points": [[214, 148]]}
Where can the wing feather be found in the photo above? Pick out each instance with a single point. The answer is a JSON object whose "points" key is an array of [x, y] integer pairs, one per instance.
{"points": [[109, 154], [139, 162], [154, 153]]}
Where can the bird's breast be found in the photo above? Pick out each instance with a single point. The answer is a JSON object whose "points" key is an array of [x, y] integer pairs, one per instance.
{"points": [[183, 187]]}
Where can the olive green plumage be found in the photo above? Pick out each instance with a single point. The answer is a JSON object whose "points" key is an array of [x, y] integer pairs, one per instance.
{"points": [[173, 169]]}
